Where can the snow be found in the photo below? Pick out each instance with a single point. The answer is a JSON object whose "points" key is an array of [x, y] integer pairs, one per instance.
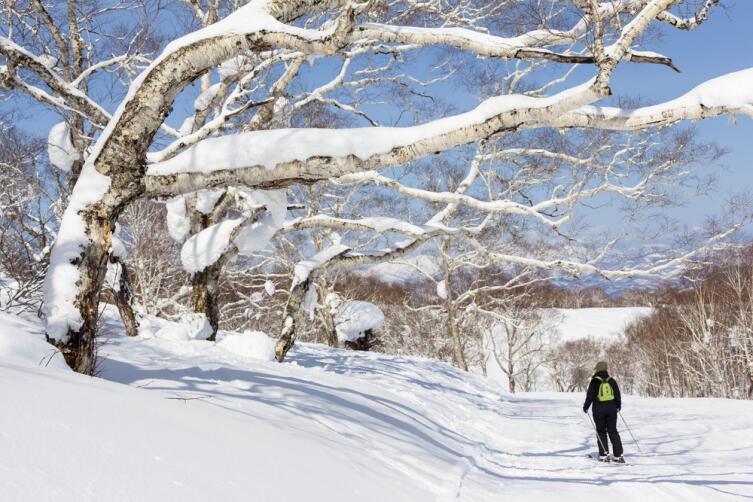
{"points": [[353, 318], [258, 235], [206, 200], [8, 289], [206, 247], [234, 66], [252, 344], [405, 270], [60, 148], [270, 148], [601, 324], [22, 342], [382, 224], [204, 99], [48, 60], [304, 268], [191, 327], [733, 90], [178, 222], [647, 54], [187, 126], [62, 276], [190, 421], [117, 247], [442, 290], [269, 287], [308, 304]]}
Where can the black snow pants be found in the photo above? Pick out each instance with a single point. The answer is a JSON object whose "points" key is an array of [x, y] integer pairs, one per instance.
{"points": [[605, 417]]}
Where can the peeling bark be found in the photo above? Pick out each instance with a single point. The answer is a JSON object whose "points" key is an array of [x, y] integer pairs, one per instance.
{"points": [[206, 295], [125, 300]]}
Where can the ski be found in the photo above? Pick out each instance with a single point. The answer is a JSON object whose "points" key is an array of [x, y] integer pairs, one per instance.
{"points": [[595, 458]]}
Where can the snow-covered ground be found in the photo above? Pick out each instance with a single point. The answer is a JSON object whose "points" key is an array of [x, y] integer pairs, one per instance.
{"points": [[185, 420], [601, 324]]}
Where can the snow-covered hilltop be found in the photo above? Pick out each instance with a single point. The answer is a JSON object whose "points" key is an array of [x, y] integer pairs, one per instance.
{"points": [[183, 419], [603, 324]]}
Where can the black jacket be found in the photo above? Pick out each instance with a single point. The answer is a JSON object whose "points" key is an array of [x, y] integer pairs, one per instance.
{"points": [[593, 390]]}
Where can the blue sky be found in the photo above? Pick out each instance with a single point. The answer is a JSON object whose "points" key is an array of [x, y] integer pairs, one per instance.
{"points": [[721, 45]]}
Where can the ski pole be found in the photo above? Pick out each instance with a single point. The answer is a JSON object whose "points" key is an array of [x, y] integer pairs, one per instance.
{"points": [[598, 438], [631, 432]]}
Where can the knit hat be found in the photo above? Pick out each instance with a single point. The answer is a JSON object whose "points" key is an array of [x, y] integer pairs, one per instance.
{"points": [[600, 366]]}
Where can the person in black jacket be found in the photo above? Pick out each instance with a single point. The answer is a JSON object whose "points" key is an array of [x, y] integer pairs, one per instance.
{"points": [[604, 394]]}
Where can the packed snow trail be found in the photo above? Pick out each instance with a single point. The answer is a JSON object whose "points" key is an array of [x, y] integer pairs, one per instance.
{"points": [[205, 423]]}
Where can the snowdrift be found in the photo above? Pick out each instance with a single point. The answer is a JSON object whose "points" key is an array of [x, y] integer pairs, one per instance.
{"points": [[173, 419]]}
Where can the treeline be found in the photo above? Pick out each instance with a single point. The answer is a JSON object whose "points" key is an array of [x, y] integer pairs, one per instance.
{"points": [[697, 343], [699, 340]]}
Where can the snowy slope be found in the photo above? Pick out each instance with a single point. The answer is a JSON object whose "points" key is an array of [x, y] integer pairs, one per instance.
{"points": [[602, 324], [333, 425]]}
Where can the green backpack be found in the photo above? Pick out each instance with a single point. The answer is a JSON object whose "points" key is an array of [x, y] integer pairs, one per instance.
{"points": [[606, 393]]}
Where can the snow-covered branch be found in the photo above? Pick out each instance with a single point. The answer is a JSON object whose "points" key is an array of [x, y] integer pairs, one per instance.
{"points": [[18, 57]]}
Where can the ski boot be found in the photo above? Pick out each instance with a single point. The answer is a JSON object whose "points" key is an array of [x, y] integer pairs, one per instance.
{"points": [[619, 460], [604, 458]]}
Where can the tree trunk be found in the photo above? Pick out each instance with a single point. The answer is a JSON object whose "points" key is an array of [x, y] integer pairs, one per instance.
{"points": [[457, 344], [125, 300], [287, 334], [206, 285], [510, 369], [452, 323], [327, 318], [79, 345], [481, 353]]}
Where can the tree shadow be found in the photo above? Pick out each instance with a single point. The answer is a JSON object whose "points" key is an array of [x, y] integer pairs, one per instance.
{"points": [[349, 413]]}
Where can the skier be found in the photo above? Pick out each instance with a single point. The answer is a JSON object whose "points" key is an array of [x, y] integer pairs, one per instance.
{"points": [[604, 394]]}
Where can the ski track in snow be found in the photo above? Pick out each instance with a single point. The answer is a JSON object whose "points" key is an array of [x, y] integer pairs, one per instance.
{"points": [[372, 427]]}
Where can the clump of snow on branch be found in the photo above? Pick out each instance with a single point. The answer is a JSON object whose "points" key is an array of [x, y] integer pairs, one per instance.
{"points": [[205, 98], [117, 247], [733, 90], [270, 288], [178, 223], [442, 290], [60, 148], [209, 245], [403, 271], [206, 200], [206, 247], [256, 236], [304, 268]]}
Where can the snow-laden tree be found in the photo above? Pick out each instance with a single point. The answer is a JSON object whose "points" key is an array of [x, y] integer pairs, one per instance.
{"points": [[125, 163], [75, 59]]}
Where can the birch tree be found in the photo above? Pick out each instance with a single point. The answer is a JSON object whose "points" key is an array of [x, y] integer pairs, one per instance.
{"points": [[125, 164]]}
